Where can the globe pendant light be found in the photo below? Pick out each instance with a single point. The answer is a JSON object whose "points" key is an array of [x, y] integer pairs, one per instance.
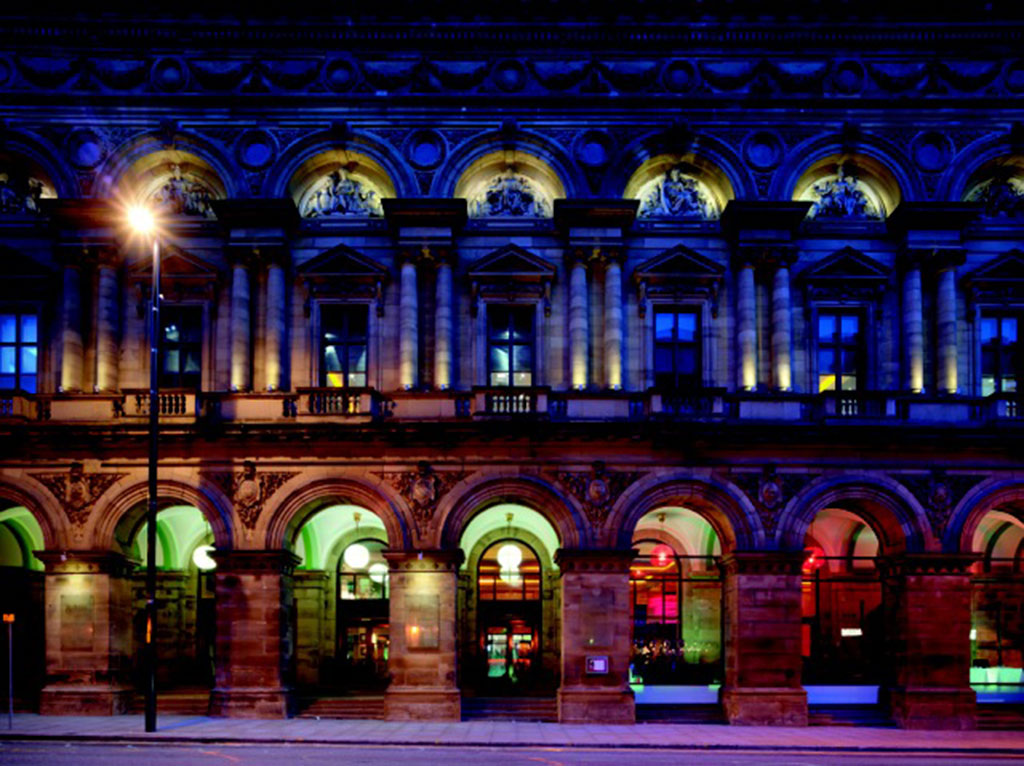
{"points": [[201, 558], [379, 572], [510, 557], [356, 556]]}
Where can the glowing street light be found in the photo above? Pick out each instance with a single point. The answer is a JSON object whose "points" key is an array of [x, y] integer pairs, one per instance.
{"points": [[143, 223]]}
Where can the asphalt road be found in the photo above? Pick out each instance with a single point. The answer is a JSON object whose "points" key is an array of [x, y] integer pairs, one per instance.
{"points": [[85, 754]]}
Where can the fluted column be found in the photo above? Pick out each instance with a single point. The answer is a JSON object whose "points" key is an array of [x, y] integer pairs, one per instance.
{"points": [[106, 326], [746, 323], [443, 325], [274, 340], [913, 327], [782, 329], [578, 325], [72, 353], [408, 341], [240, 312], [613, 322], [947, 373]]}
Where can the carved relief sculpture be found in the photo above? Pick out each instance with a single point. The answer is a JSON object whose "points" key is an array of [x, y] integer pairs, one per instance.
{"points": [[184, 194], [677, 195], [598, 489], [19, 197], [841, 197], [341, 195], [1002, 195], [510, 195], [249, 490], [423, 488], [76, 490]]}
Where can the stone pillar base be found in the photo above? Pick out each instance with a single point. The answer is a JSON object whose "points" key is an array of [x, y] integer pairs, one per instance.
{"points": [[765, 706], [933, 708], [421, 703], [80, 699], [596, 705], [250, 702]]}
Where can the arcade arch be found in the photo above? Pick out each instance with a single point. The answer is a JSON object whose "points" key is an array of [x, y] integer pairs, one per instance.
{"points": [[21, 594]]}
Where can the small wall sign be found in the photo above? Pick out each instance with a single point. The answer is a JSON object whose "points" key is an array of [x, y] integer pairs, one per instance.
{"points": [[597, 665]]}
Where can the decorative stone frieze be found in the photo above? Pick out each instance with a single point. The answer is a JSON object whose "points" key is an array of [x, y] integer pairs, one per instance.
{"points": [[249, 489], [938, 493], [769, 491], [423, 488], [77, 490]]}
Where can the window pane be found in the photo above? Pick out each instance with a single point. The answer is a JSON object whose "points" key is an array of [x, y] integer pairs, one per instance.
{"points": [[826, 327], [826, 382], [522, 323], [662, 359], [357, 380], [1009, 330], [849, 382], [988, 385], [849, 361], [686, 361], [663, 325], [357, 359], [826, 361], [331, 361], [6, 381], [171, 360], [988, 361], [334, 380], [171, 332], [28, 383], [850, 326], [8, 360], [192, 364], [29, 328], [8, 328], [499, 359], [498, 317], [522, 358], [28, 360], [1010, 384], [687, 327], [989, 328], [357, 319], [522, 379], [499, 378]]}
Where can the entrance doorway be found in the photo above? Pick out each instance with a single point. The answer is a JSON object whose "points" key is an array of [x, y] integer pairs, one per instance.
{"points": [[362, 617]]}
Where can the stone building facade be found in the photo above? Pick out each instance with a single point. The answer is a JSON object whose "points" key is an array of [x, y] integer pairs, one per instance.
{"points": [[654, 355]]}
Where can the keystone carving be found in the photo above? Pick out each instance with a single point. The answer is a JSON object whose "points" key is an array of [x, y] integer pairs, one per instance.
{"points": [[76, 490], [248, 489], [597, 490], [423, 488]]}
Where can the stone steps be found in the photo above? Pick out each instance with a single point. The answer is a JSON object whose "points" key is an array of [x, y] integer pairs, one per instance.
{"points": [[1001, 717], [370, 707], [510, 708], [679, 714], [848, 715]]}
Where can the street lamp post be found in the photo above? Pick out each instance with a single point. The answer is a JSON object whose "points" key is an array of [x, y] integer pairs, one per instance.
{"points": [[143, 223]]}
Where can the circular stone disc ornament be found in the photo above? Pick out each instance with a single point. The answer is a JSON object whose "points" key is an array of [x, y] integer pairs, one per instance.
{"points": [[256, 149], [340, 75], [426, 149], [1015, 77], [510, 76], [679, 76], [593, 149], [849, 78], [932, 151], [169, 74], [85, 149], [763, 150]]}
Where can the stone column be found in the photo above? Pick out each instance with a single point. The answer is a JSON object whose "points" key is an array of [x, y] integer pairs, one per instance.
{"points": [[88, 597], [240, 311], [596, 637], [913, 327], [408, 338], [613, 322], [443, 325], [423, 660], [746, 325], [782, 329], [72, 351], [255, 635], [763, 663], [311, 587], [927, 601], [578, 325], [946, 301], [107, 347], [274, 340]]}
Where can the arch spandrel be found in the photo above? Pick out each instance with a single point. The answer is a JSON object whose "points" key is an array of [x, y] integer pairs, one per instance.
{"points": [[722, 504], [284, 519], [43, 506], [997, 493], [890, 509]]}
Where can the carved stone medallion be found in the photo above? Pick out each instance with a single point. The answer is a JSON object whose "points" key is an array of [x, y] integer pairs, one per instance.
{"points": [[249, 489], [596, 490], [77, 490], [423, 488]]}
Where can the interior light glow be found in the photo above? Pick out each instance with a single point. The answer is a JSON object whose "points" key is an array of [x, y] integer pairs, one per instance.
{"points": [[850, 632], [379, 572], [974, 634], [356, 556], [661, 555], [510, 557], [201, 558]]}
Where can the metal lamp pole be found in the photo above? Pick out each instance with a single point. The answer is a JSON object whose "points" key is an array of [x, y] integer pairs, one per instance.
{"points": [[154, 432]]}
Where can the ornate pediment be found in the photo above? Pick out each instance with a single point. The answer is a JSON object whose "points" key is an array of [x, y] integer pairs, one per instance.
{"points": [[344, 272], [999, 280], [676, 274], [510, 273], [846, 274], [183, 276]]}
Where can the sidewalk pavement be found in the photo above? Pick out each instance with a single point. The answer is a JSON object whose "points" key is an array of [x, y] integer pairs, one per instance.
{"points": [[189, 729]]}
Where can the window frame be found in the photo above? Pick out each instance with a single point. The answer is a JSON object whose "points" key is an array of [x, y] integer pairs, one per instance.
{"points": [[481, 338], [490, 343], [202, 309], [704, 309], [19, 311], [867, 373], [1000, 311], [321, 345], [317, 373], [699, 377]]}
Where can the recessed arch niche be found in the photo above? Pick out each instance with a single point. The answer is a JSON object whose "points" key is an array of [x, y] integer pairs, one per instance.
{"points": [[340, 184], [510, 184], [848, 187], [23, 184], [173, 182], [679, 187]]}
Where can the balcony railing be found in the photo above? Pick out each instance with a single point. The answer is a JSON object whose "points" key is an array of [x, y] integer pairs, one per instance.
{"points": [[365, 403], [176, 404]]}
